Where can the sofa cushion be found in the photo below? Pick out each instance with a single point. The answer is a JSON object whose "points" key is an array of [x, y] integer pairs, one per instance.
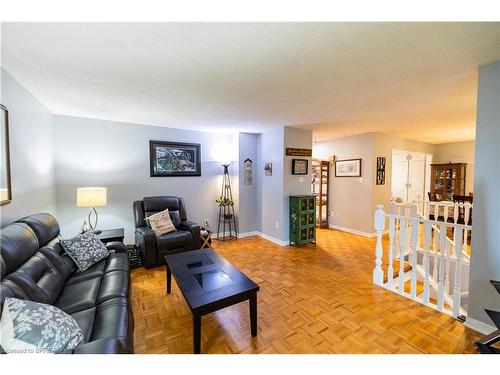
{"points": [[113, 284], [39, 279], [79, 295], [32, 327], [85, 249], [117, 261], [44, 225], [175, 240], [18, 243], [85, 320], [112, 319]]}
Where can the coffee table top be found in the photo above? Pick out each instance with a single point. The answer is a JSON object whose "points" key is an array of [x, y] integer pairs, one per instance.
{"points": [[205, 277]]}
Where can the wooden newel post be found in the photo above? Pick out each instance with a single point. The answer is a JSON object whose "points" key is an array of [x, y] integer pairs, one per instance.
{"points": [[378, 273]]}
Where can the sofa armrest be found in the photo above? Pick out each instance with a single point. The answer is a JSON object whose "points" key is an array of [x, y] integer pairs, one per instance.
{"points": [[145, 239], [102, 346], [195, 232], [116, 247]]}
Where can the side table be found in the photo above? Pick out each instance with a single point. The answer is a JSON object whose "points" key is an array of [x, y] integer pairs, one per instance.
{"points": [[206, 239], [112, 235]]}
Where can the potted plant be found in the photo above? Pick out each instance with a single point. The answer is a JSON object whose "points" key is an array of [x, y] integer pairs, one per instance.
{"points": [[225, 202]]}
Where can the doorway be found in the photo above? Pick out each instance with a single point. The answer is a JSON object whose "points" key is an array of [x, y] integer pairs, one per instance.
{"points": [[410, 176]]}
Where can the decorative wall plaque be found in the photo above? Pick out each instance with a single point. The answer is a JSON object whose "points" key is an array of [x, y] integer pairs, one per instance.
{"points": [[290, 151], [381, 170]]}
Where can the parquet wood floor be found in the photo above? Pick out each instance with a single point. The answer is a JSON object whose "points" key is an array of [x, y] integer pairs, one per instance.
{"points": [[313, 299]]}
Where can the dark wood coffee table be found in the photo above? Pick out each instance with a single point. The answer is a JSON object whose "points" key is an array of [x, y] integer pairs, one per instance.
{"points": [[209, 283]]}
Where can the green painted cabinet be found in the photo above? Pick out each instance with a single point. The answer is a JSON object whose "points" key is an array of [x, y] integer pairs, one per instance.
{"points": [[302, 219]]}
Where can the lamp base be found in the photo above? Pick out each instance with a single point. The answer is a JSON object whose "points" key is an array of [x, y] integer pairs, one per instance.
{"points": [[96, 232]]}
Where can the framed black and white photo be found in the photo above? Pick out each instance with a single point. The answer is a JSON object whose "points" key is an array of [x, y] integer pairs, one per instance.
{"points": [[174, 159], [348, 168], [299, 166], [380, 170]]}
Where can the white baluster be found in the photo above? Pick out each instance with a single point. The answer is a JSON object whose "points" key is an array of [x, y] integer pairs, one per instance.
{"points": [[413, 258], [390, 270], [445, 212], [455, 213], [458, 272], [427, 242], [442, 247], [378, 273], [447, 253], [435, 247], [466, 222], [402, 251]]}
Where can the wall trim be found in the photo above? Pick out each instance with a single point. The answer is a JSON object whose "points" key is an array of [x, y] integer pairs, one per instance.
{"points": [[353, 231], [479, 326], [259, 234]]}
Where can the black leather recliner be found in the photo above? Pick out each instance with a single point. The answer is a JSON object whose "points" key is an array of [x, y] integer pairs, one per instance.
{"points": [[34, 266], [153, 248]]}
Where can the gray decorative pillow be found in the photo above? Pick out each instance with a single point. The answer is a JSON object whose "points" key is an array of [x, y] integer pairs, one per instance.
{"points": [[32, 327], [85, 249]]}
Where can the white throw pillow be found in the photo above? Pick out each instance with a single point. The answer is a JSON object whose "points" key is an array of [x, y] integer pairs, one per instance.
{"points": [[161, 223], [33, 327]]}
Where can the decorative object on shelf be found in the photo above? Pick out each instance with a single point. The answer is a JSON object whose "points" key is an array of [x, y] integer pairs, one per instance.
{"points": [[174, 159], [226, 208], [91, 197], [290, 151], [380, 170], [302, 219], [268, 169], [348, 168], [447, 180], [5, 187], [300, 166], [320, 188], [485, 345], [248, 172]]}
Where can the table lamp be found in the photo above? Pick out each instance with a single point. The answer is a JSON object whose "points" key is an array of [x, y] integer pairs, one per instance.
{"points": [[91, 197]]}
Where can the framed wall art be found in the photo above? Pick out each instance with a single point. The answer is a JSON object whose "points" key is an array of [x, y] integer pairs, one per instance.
{"points": [[348, 168], [380, 170], [300, 166], [5, 187], [174, 159]]}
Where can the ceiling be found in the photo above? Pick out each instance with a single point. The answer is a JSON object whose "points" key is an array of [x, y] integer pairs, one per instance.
{"points": [[413, 80]]}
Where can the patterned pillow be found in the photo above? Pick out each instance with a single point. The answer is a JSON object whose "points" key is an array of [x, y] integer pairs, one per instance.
{"points": [[32, 327], [85, 249], [161, 223]]}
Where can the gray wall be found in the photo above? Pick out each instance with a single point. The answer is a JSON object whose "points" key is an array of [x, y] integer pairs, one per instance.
{"points": [[248, 193], [270, 190], [350, 198], [294, 184], [31, 150], [93, 152], [485, 259]]}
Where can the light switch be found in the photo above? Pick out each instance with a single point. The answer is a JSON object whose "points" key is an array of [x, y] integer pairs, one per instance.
{"points": [[301, 179]]}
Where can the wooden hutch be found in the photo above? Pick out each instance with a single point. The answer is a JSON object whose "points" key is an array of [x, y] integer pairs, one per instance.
{"points": [[448, 180]]}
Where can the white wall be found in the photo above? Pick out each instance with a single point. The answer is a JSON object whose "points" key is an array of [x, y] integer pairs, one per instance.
{"points": [[31, 151], [485, 258], [460, 152], [93, 152]]}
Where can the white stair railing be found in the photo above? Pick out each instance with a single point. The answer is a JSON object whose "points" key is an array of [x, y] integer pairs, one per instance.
{"points": [[422, 245]]}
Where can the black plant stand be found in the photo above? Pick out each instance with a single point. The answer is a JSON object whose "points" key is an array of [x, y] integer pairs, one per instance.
{"points": [[226, 212], [485, 345]]}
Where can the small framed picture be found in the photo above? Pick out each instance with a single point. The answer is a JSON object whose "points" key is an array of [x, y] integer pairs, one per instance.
{"points": [[348, 168], [299, 166], [268, 169]]}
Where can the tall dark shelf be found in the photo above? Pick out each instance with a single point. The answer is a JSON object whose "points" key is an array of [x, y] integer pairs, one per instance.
{"points": [[226, 212], [448, 180]]}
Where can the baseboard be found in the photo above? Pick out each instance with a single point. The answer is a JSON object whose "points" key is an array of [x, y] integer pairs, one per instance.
{"points": [[479, 326], [258, 234], [353, 231]]}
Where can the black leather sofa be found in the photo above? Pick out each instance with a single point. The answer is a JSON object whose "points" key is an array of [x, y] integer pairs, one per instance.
{"points": [[34, 266], [153, 248]]}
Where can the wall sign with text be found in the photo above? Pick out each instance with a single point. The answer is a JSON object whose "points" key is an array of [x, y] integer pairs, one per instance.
{"points": [[290, 151]]}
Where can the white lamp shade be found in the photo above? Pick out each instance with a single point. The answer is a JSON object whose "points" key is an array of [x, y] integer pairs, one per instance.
{"points": [[91, 197]]}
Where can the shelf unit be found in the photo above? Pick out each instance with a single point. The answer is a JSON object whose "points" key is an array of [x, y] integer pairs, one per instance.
{"points": [[320, 187], [448, 180], [302, 219]]}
